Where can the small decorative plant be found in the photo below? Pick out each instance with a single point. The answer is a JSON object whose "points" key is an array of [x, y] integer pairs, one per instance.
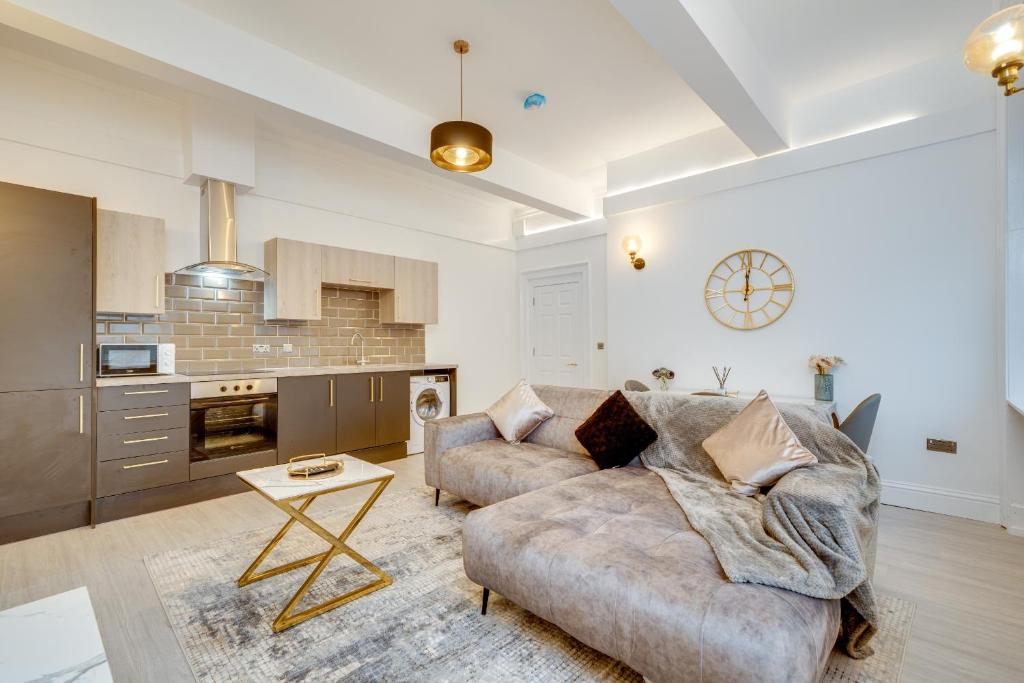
{"points": [[824, 385], [663, 375], [824, 364], [722, 375]]}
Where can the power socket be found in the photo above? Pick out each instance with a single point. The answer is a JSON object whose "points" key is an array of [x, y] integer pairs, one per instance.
{"points": [[287, 348], [261, 348]]}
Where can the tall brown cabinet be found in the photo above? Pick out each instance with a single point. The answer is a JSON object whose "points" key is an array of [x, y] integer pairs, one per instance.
{"points": [[46, 360]]}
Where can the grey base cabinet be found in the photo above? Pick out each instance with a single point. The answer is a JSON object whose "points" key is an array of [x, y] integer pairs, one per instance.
{"points": [[341, 413], [306, 416], [46, 450]]}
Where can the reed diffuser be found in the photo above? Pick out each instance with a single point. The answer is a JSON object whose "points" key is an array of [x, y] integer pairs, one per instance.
{"points": [[722, 375]]}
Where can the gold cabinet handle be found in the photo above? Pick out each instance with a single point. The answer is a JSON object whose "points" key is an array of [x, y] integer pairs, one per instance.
{"points": [[355, 279], [382, 389], [143, 417], [127, 442], [331, 393], [156, 297], [81, 414], [143, 464], [371, 388], [151, 391], [81, 362]]}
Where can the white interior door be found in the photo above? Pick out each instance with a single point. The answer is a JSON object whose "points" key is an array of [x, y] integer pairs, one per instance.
{"points": [[557, 336]]}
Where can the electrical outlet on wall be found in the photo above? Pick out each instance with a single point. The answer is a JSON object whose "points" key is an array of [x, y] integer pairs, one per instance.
{"points": [[287, 348], [261, 348]]}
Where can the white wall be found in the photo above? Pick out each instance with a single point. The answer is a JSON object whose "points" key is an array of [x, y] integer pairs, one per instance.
{"points": [[591, 251], [896, 265], [68, 131]]}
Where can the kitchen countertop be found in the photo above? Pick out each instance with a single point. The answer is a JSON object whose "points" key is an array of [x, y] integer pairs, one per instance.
{"points": [[271, 372]]}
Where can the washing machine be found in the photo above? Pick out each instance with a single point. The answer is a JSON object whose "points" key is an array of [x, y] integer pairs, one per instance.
{"points": [[430, 399]]}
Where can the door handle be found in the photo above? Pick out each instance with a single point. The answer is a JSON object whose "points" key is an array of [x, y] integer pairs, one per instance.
{"points": [[572, 365], [330, 398], [143, 417], [156, 295], [382, 389], [81, 362], [81, 414], [127, 442], [371, 388], [151, 391]]}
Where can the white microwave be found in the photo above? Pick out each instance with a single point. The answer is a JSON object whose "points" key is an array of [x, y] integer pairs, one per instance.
{"points": [[135, 359]]}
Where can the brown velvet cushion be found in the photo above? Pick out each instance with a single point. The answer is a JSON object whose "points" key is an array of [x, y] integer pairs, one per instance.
{"points": [[615, 433]]}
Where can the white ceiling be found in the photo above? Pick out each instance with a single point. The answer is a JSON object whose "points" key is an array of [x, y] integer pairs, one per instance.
{"points": [[813, 46], [609, 94]]}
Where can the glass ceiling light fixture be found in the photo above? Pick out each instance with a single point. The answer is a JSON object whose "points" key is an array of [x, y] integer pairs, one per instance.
{"points": [[460, 146], [996, 47]]}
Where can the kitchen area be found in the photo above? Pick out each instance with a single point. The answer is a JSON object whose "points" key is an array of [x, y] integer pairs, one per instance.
{"points": [[128, 389]]}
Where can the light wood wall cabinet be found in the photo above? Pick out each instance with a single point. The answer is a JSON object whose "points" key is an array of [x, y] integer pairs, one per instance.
{"points": [[130, 258], [292, 292], [358, 269], [414, 298]]}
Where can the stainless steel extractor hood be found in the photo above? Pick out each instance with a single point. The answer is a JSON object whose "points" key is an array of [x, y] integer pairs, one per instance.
{"points": [[218, 237]]}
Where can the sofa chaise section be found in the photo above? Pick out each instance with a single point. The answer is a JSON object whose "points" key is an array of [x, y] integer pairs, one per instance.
{"points": [[611, 558]]}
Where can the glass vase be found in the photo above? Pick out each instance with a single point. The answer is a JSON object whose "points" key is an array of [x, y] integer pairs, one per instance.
{"points": [[823, 387]]}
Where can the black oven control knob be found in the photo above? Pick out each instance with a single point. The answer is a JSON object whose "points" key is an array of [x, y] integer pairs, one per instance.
{"points": [[237, 387], [223, 388], [249, 387]]}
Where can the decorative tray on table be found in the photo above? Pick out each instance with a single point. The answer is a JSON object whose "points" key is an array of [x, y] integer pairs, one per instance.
{"points": [[315, 466]]}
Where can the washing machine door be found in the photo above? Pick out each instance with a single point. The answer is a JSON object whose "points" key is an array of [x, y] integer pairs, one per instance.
{"points": [[428, 405]]}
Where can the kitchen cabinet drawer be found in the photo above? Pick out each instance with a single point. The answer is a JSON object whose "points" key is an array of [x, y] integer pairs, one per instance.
{"points": [[141, 420], [141, 472], [119, 446], [358, 269], [143, 396]]}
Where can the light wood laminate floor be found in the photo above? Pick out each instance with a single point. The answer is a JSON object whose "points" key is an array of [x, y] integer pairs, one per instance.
{"points": [[966, 577]]}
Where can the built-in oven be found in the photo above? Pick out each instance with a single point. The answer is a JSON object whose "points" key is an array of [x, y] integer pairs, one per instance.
{"points": [[230, 418]]}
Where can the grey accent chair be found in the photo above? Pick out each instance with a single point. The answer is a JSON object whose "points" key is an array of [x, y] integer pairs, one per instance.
{"points": [[635, 385], [860, 424]]}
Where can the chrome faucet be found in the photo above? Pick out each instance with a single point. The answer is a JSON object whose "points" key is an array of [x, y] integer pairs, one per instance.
{"points": [[362, 349]]}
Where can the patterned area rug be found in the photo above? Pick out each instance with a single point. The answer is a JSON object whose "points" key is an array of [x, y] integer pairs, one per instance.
{"points": [[426, 626]]}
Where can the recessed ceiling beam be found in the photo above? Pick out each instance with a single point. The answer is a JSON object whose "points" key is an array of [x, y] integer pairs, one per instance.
{"points": [[187, 48], [707, 45]]}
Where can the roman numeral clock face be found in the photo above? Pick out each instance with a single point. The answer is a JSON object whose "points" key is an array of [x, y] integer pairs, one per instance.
{"points": [[749, 289]]}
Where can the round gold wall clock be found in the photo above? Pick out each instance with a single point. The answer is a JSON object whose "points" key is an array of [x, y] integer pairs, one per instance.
{"points": [[749, 289]]}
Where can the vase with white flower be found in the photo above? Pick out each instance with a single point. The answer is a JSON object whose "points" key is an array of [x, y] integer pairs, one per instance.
{"points": [[824, 387]]}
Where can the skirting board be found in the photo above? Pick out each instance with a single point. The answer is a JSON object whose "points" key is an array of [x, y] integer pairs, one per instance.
{"points": [[1015, 525], [943, 501]]}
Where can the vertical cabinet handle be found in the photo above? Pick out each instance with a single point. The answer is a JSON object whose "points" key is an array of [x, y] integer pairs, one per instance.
{"points": [[81, 414], [156, 296], [371, 388], [330, 397], [81, 362], [382, 388]]}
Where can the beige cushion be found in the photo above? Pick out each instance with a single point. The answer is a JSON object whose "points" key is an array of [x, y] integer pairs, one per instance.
{"points": [[518, 412], [757, 447]]}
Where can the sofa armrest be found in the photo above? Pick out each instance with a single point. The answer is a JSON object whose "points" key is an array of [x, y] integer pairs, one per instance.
{"points": [[440, 435]]}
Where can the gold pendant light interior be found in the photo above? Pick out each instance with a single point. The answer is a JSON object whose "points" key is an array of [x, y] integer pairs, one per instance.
{"points": [[460, 146]]}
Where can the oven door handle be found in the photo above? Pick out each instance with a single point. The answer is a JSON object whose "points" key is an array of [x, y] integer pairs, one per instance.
{"points": [[218, 402]]}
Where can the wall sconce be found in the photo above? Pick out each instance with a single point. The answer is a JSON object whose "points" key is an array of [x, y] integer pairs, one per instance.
{"points": [[631, 245], [996, 47]]}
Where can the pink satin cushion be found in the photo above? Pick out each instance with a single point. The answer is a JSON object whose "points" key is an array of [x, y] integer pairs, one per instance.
{"points": [[518, 412], [757, 447]]}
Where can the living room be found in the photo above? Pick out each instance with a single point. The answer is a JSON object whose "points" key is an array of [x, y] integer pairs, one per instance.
{"points": [[613, 340]]}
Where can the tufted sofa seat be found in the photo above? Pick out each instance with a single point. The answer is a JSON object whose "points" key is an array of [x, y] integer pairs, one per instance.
{"points": [[611, 559]]}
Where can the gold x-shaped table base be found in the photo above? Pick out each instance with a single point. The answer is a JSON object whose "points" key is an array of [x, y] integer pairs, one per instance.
{"points": [[286, 619]]}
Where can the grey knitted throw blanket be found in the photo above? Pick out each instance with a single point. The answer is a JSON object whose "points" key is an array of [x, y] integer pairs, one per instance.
{"points": [[811, 533]]}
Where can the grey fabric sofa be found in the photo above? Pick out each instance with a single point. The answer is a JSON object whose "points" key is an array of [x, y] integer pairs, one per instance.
{"points": [[609, 556]]}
